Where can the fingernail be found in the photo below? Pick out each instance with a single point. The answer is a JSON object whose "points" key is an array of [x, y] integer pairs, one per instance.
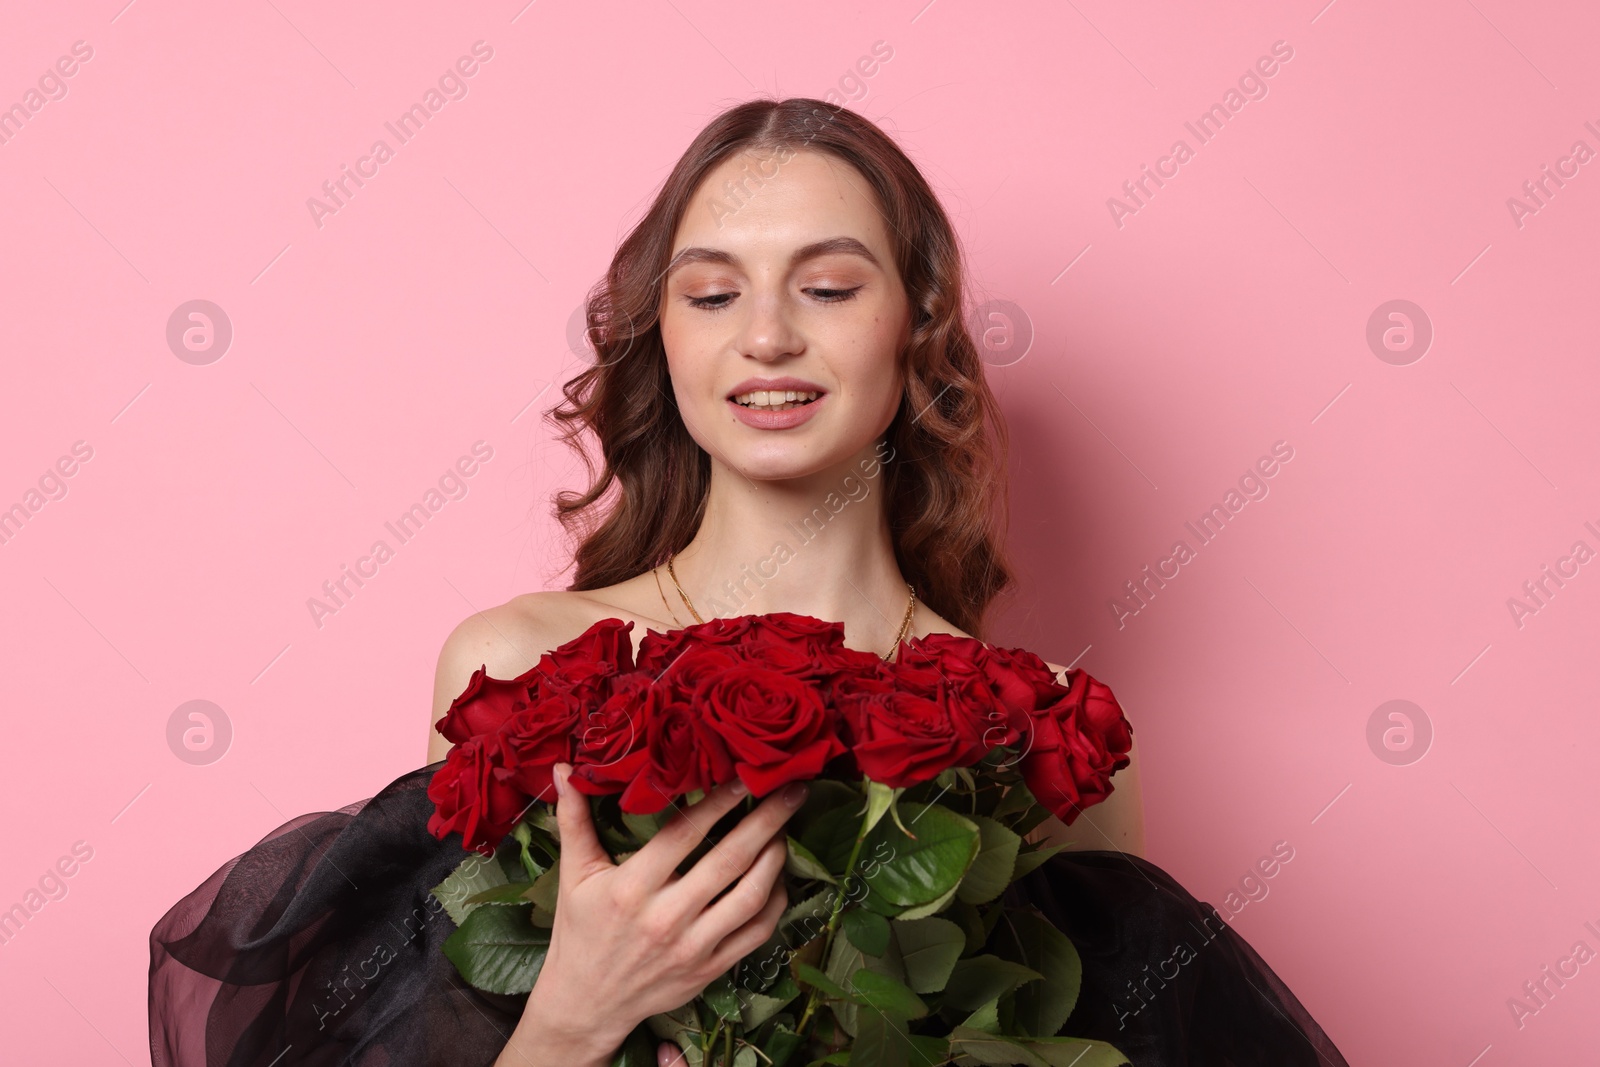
{"points": [[739, 788], [794, 793], [559, 777]]}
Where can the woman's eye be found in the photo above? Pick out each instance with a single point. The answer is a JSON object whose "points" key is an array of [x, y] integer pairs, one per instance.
{"points": [[718, 301]]}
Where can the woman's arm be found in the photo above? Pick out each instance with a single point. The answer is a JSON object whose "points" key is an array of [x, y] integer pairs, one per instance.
{"points": [[1115, 824]]}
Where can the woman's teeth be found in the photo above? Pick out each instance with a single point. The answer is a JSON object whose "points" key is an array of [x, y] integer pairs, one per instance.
{"points": [[774, 399]]}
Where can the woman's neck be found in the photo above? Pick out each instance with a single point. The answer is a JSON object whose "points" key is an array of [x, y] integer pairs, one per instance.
{"points": [[818, 546]]}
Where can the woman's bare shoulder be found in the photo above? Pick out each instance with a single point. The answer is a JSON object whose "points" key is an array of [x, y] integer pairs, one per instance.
{"points": [[508, 639]]}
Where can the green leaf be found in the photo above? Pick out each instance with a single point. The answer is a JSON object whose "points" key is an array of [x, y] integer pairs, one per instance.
{"points": [[543, 817], [677, 1025], [927, 1049], [1018, 799], [881, 1042], [873, 990], [472, 875], [607, 818], [830, 837], [991, 917], [1029, 860], [990, 872], [923, 869], [783, 987], [510, 893], [929, 949], [498, 950], [980, 979], [844, 960], [802, 864], [1025, 823], [1042, 1008], [817, 906], [644, 827], [637, 1051], [1075, 1052], [970, 919], [722, 998], [878, 904], [781, 1044], [991, 1048], [757, 1008], [932, 907], [986, 1018], [546, 889], [823, 795], [813, 977], [838, 1058], [867, 930]]}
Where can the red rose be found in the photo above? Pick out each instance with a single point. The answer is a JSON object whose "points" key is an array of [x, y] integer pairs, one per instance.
{"points": [[789, 659], [471, 796], [1021, 680], [535, 739], [776, 726], [981, 680], [1079, 740], [583, 680], [955, 699], [484, 705], [585, 666], [682, 755], [607, 641], [908, 736], [694, 669], [848, 664], [805, 632], [1106, 722], [609, 750], [658, 650], [852, 672], [811, 636]]}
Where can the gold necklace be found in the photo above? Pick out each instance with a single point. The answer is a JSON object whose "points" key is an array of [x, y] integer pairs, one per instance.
{"points": [[905, 623]]}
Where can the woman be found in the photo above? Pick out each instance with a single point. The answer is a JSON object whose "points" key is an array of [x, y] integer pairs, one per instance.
{"points": [[791, 417]]}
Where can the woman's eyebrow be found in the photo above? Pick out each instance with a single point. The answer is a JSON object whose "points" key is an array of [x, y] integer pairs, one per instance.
{"points": [[828, 246]]}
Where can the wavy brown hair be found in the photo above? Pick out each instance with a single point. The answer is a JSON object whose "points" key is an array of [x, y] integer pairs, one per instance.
{"points": [[945, 480]]}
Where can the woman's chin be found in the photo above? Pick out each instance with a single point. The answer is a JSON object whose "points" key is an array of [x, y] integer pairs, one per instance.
{"points": [[781, 462]]}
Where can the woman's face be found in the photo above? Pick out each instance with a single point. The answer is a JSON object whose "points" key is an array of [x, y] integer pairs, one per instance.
{"points": [[784, 272]]}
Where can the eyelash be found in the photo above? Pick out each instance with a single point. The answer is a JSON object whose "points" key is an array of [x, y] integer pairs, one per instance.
{"points": [[704, 302]]}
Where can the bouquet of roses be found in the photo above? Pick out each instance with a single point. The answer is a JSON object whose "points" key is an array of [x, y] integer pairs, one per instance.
{"points": [[925, 776]]}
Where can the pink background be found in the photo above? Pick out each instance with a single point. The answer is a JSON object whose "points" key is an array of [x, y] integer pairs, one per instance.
{"points": [[1228, 313]]}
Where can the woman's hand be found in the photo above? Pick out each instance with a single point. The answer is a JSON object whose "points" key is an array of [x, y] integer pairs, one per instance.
{"points": [[634, 939]]}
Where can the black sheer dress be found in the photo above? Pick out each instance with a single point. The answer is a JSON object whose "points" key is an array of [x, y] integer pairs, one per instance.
{"points": [[321, 946]]}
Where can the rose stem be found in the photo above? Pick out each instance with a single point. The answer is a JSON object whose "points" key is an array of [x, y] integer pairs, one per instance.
{"points": [[833, 922]]}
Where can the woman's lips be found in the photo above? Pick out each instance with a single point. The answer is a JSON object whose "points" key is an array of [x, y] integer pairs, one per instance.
{"points": [[775, 420]]}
